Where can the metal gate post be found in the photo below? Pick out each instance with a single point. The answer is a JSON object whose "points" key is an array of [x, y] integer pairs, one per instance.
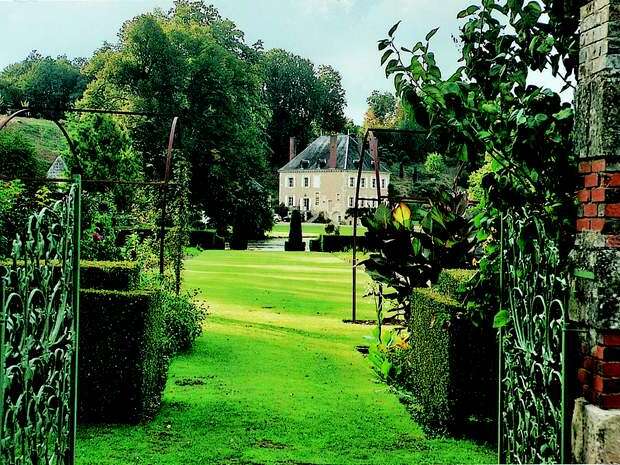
{"points": [[77, 233]]}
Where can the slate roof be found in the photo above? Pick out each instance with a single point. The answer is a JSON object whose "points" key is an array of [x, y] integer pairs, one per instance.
{"points": [[316, 155]]}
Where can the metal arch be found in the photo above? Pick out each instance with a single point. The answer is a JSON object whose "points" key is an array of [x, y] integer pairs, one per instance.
{"points": [[57, 123], [369, 132], [164, 194]]}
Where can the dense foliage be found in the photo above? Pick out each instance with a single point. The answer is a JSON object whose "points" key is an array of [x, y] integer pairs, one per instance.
{"points": [[489, 108], [42, 82], [303, 101]]}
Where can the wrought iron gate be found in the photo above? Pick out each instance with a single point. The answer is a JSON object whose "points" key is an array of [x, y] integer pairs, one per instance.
{"points": [[39, 288], [531, 418]]}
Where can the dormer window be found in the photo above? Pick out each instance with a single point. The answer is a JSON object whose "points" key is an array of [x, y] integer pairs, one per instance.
{"points": [[305, 164], [322, 163]]}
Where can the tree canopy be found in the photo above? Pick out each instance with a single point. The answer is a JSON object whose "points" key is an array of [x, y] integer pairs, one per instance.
{"points": [[42, 82]]}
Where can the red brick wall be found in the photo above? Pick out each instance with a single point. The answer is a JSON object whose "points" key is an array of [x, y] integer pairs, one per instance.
{"points": [[599, 198], [599, 374]]}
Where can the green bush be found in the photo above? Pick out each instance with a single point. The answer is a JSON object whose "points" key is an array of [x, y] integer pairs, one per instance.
{"points": [[206, 239], [118, 276], [450, 364], [123, 363], [451, 282], [184, 319], [315, 245]]}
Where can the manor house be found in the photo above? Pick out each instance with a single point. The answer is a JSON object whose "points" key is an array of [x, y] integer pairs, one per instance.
{"points": [[322, 178]]}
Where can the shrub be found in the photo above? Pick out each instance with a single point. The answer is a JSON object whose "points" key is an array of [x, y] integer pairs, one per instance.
{"points": [[118, 276], [206, 239], [450, 366], [18, 157], [452, 282], [98, 232], [315, 245], [184, 319], [122, 366], [435, 164], [295, 239]]}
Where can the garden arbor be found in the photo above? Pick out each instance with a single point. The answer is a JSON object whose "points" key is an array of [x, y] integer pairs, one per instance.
{"points": [[39, 316]]}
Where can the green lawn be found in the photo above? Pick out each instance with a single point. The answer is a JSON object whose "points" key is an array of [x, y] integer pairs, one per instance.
{"points": [[313, 230], [275, 378]]}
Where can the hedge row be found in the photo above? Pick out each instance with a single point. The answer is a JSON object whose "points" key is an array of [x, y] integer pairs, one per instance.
{"points": [[450, 364], [205, 239], [333, 243], [122, 366], [119, 276]]}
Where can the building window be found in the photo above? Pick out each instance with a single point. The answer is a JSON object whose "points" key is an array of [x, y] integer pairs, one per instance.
{"points": [[374, 182], [290, 201], [351, 182], [316, 181], [351, 201], [337, 197], [316, 199], [291, 182], [306, 181], [382, 183], [339, 219], [363, 183], [306, 204]]}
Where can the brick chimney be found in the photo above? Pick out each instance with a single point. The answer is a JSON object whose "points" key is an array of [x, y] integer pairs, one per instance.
{"points": [[292, 148], [333, 151]]}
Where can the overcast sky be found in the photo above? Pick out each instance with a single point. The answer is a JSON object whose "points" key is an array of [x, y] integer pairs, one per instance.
{"points": [[341, 33]]}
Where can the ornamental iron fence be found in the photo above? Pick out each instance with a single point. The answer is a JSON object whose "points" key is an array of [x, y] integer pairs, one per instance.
{"points": [[39, 289], [532, 345]]}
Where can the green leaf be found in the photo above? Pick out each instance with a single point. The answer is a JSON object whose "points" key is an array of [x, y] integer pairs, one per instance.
{"points": [[464, 153], [501, 319], [585, 274], [416, 244], [383, 44], [430, 35], [564, 114], [490, 107], [496, 166], [393, 29], [470, 10], [386, 55]]}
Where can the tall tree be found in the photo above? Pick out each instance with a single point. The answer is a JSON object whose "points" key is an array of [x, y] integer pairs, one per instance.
{"points": [[382, 110], [190, 62], [293, 95], [333, 100], [43, 82]]}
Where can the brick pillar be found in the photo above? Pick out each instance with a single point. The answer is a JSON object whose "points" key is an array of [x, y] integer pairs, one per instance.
{"points": [[595, 301]]}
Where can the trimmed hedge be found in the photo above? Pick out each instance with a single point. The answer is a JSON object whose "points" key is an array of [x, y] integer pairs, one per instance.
{"points": [[111, 275], [205, 239], [119, 276], [122, 366], [451, 364], [449, 282], [315, 245]]}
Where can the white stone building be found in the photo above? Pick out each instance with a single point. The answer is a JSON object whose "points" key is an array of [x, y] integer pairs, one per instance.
{"points": [[322, 178]]}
